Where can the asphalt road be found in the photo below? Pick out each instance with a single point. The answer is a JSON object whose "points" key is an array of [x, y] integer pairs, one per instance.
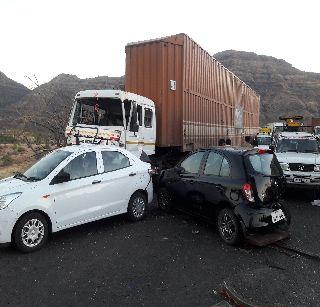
{"points": [[165, 260]]}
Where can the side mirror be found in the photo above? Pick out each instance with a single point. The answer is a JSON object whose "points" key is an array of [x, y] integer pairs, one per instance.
{"points": [[61, 177], [134, 127], [254, 142], [248, 139]]}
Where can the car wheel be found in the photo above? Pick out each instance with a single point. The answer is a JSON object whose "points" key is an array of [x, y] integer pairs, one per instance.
{"points": [[165, 202], [137, 207], [229, 227], [30, 232]]}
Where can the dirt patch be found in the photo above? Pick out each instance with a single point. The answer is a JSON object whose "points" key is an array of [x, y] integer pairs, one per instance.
{"points": [[14, 158]]}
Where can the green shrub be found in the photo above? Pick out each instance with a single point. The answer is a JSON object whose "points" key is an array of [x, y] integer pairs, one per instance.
{"points": [[17, 148], [7, 139], [6, 160]]}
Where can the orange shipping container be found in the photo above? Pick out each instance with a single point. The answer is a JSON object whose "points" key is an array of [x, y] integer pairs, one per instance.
{"points": [[198, 101]]}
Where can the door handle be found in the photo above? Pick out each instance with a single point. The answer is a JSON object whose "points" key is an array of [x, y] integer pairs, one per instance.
{"points": [[191, 181], [132, 174], [96, 181]]}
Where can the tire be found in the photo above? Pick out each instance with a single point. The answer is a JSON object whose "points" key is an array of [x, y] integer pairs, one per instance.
{"points": [[137, 207], [35, 227], [165, 202], [229, 227]]}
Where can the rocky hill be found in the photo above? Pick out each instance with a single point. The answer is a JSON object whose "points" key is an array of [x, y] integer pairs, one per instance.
{"points": [[10, 91], [284, 90], [53, 100]]}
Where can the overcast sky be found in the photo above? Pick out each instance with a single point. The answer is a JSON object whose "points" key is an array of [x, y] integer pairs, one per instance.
{"points": [[87, 38]]}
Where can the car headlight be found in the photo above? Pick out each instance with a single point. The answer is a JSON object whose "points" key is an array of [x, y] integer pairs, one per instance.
{"points": [[317, 168], [285, 166], [6, 200]]}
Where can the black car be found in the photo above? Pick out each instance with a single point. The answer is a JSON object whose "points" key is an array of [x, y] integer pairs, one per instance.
{"points": [[237, 188]]}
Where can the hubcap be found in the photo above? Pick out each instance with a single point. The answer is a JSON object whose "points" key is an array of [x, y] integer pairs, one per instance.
{"points": [[138, 207], [32, 233], [227, 227]]}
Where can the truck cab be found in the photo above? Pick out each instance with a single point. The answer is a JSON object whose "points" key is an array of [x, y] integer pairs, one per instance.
{"points": [[299, 157], [115, 118]]}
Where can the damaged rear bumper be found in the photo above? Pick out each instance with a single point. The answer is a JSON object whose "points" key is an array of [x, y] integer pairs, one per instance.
{"points": [[258, 225]]}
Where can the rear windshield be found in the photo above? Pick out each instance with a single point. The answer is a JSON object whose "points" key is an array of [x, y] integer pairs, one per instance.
{"points": [[265, 164]]}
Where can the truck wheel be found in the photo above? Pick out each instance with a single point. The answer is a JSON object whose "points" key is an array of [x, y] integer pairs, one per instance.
{"points": [[165, 202], [30, 232], [137, 207], [229, 227]]}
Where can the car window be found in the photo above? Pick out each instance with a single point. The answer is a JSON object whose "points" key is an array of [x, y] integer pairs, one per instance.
{"points": [[225, 168], [113, 160], [265, 164], [82, 166], [148, 118], [213, 164], [192, 163]]}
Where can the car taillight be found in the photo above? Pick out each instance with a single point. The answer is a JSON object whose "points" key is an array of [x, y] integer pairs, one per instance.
{"points": [[248, 192]]}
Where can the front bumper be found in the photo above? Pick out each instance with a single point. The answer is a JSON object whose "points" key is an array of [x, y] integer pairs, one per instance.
{"points": [[302, 179], [7, 222]]}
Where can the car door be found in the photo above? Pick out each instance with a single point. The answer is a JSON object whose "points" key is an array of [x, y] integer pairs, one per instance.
{"points": [[185, 184], [81, 198], [118, 181], [213, 181]]}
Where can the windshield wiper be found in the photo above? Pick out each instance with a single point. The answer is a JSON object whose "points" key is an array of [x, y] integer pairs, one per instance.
{"points": [[33, 178], [19, 175]]}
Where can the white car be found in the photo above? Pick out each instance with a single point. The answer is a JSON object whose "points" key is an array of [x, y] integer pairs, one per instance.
{"points": [[72, 186], [263, 140]]}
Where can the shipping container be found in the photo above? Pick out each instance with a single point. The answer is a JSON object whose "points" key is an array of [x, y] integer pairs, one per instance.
{"points": [[198, 100], [312, 122]]}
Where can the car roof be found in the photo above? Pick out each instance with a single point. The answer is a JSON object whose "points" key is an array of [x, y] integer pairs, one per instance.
{"points": [[263, 135], [232, 150], [90, 147]]}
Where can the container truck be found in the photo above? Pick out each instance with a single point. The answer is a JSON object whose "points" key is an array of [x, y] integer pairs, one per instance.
{"points": [[177, 98]]}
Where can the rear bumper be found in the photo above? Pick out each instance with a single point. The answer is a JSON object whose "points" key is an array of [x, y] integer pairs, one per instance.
{"points": [[259, 220]]}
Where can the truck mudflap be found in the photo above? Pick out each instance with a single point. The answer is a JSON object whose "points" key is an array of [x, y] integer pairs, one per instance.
{"points": [[263, 239]]}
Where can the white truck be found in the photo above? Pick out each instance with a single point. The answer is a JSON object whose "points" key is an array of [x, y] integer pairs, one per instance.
{"points": [[299, 157], [113, 117]]}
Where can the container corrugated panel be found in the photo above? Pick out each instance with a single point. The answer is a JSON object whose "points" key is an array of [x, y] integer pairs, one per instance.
{"points": [[209, 101]]}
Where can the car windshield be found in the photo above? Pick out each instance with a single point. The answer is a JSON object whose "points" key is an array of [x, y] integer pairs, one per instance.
{"points": [[317, 130], [298, 145], [266, 140], [44, 167], [98, 111], [265, 164]]}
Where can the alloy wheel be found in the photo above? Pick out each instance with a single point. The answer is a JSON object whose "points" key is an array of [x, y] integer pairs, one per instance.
{"points": [[32, 233], [138, 207], [227, 227]]}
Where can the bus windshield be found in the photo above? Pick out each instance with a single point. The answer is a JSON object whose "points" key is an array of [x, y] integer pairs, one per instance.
{"points": [[98, 111]]}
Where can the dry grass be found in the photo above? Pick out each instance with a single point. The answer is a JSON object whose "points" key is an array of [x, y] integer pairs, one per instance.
{"points": [[14, 158]]}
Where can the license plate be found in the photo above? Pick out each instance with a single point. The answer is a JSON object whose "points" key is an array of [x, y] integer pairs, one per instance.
{"points": [[298, 180], [277, 216]]}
